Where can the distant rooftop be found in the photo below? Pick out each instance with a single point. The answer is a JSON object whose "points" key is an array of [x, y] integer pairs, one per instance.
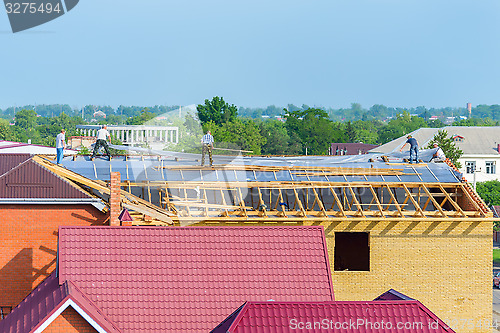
{"points": [[483, 140]]}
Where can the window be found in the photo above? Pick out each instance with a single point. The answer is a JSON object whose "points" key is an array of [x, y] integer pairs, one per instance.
{"points": [[490, 167], [470, 166], [352, 251]]}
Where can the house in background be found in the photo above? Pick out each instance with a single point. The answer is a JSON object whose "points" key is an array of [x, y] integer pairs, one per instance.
{"points": [[480, 146], [157, 279]]}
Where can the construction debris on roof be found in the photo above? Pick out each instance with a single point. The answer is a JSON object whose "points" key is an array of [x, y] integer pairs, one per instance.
{"points": [[290, 189], [155, 279]]}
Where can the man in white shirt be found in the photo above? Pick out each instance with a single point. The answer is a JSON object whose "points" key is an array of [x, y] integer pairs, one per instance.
{"points": [[60, 144], [102, 135], [208, 144], [438, 155]]}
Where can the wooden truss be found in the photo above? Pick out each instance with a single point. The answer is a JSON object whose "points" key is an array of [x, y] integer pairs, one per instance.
{"points": [[294, 201], [188, 201]]}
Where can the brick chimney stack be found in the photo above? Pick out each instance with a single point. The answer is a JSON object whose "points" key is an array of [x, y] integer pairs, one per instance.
{"points": [[115, 199]]}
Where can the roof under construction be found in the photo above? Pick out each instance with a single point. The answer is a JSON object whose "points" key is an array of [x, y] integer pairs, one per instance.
{"points": [[288, 188]]}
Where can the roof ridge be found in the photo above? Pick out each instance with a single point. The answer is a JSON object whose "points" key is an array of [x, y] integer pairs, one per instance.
{"points": [[72, 286], [67, 181], [17, 166], [433, 316]]}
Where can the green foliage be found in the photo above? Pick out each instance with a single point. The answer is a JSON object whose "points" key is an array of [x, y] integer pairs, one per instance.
{"points": [[447, 145], [476, 122], [238, 134], [217, 111], [142, 118], [277, 138], [313, 129], [403, 124], [489, 191], [25, 119]]}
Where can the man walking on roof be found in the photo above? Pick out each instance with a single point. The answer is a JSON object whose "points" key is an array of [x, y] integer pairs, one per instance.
{"points": [[60, 144], [413, 148], [102, 135], [208, 144]]}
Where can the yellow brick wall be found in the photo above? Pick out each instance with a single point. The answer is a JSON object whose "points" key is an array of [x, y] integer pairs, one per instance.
{"points": [[445, 265]]}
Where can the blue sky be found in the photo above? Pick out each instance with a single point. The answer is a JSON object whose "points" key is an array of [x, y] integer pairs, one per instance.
{"points": [[327, 53]]}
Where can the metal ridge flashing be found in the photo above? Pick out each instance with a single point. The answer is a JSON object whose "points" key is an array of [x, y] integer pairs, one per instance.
{"points": [[97, 203]]}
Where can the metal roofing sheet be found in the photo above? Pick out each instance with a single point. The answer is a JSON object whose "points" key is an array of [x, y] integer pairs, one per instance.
{"points": [[153, 169], [28, 179], [44, 301], [189, 279], [373, 316]]}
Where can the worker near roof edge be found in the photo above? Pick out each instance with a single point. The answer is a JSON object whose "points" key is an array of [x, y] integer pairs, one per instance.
{"points": [[413, 148], [439, 155], [60, 144], [208, 144], [102, 135]]}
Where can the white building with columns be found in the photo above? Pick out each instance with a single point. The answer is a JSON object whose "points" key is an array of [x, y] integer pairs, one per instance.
{"points": [[155, 137]]}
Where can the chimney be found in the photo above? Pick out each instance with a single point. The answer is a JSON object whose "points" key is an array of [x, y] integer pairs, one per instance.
{"points": [[115, 199]]}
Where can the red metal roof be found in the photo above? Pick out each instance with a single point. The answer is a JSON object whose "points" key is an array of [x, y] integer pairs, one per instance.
{"points": [[21, 177], [10, 161], [189, 279], [47, 300], [372, 316]]}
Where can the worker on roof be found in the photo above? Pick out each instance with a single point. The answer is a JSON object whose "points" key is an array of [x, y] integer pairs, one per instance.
{"points": [[438, 155], [208, 144], [413, 148], [60, 144], [102, 135]]}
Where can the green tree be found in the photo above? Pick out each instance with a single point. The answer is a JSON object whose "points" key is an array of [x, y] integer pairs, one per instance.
{"points": [[447, 145], [489, 191], [350, 132], [217, 111], [277, 138], [25, 119], [238, 134], [313, 129], [142, 118]]}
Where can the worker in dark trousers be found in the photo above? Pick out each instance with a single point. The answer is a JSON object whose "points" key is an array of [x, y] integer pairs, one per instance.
{"points": [[413, 148], [208, 144], [102, 136]]}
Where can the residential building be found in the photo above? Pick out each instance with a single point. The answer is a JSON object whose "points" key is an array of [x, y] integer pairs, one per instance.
{"points": [[480, 146], [316, 317], [156, 279]]}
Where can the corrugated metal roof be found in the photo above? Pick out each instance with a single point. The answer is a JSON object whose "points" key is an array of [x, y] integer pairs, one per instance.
{"points": [[44, 301], [10, 161], [24, 178], [159, 279], [371, 316]]}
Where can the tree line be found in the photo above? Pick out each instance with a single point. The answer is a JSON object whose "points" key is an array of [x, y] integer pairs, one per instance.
{"points": [[294, 131]]}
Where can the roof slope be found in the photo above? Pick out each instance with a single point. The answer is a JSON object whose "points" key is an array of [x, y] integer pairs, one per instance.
{"points": [[482, 140], [48, 300], [21, 177], [159, 279], [348, 316]]}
